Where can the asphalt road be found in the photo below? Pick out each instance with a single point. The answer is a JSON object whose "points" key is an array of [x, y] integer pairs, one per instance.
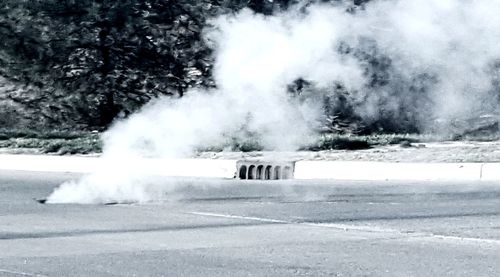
{"points": [[229, 228]]}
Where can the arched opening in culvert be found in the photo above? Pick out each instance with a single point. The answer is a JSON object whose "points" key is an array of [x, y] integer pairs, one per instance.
{"points": [[260, 172], [251, 172], [286, 174], [277, 172], [267, 173], [243, 172]]}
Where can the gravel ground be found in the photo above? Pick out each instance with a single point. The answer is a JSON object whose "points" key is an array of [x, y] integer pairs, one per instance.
{"points": [[463, 151]]}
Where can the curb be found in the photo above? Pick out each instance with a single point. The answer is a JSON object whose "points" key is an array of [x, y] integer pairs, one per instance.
{"points": [[202, 168], [490, 172], [302, 170], [381, 171]]}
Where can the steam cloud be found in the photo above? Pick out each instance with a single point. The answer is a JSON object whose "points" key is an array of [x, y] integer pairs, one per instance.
{"points": [[422, 60]]}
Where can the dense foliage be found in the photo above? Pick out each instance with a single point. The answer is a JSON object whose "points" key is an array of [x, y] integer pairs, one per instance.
{"points": [[79, 64]]}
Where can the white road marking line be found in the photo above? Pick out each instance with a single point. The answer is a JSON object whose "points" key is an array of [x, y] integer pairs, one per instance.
{"points": [[241, 217], [465, 239], [21, 273], [346, 227]]}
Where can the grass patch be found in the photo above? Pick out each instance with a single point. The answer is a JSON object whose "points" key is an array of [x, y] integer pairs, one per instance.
{"points": [[58, 142], [332, 142], [354, 142], [6, 134], [248, 144], [84, 142]]}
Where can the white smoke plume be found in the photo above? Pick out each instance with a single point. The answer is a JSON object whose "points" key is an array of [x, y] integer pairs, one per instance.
{"points": [[445, 51], [257, 57], [452, 40]]}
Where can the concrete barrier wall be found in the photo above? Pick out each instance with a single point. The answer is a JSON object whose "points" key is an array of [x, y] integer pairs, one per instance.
{"points": [[161, 167], [302, 170], [389, 171], [47, 163], [205, 168], [490, 172]]}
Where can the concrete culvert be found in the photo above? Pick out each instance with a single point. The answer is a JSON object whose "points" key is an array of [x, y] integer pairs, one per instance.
{"points": [[264, 170], [243, 172]]}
